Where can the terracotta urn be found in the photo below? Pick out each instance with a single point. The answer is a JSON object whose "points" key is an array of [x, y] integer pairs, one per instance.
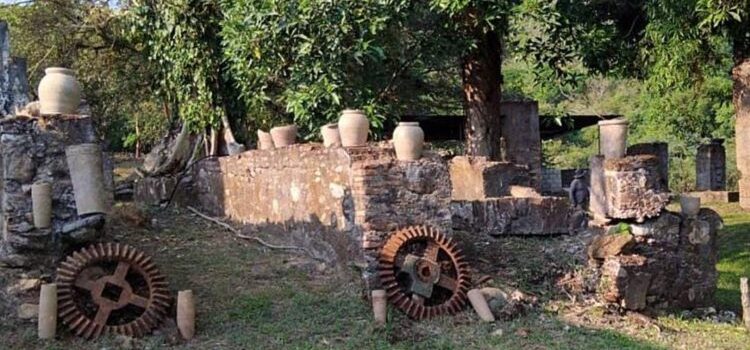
{"points": [[353, 128], [331, 137], [689, 205], [59, 92], [613, 138], [408, 139], [264, 140], [284, 135]]}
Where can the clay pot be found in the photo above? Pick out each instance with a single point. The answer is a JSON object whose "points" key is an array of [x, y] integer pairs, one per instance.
{"points": [[186, 314], [264, 140], [379, 306], [41, 200], [613, 138], [479, 303], [284, 135], [86, 173], [47, 326], [353, 128], [59, 92], [408, 139], [690, 205], [331, 137]]}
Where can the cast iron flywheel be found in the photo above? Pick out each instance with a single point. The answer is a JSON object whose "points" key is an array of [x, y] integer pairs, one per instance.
{"points": [[111, 288], [423, 272]]}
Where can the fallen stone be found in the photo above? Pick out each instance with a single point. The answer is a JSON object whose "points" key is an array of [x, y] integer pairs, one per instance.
{"points": [[24, 285], [28, 311], [608, 245]]}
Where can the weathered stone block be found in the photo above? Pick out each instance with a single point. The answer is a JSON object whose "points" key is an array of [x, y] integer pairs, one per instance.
{"points": [[633, 187], [475, 178], [512, 216], [658, 149], [521, 137], [670, 263], [710, 167]]}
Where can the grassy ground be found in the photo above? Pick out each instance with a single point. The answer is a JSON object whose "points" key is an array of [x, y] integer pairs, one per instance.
{"points": [[253, 298]]}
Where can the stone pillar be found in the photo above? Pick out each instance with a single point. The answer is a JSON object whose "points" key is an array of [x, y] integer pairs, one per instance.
{"points": [[523, 143], [598, 195], [658, 149], [710, 167]]}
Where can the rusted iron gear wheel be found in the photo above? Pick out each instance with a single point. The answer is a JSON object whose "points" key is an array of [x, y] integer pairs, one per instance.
{"points": [[423, 247], [111, 288]]}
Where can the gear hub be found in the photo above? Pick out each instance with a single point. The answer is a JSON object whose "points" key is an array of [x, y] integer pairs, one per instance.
{"points": [[423, 272], [111, 288]]}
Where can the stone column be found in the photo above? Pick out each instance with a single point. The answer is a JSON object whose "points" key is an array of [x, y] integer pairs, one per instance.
{"points": [[598, 195], [523, 143], [710, 167]]}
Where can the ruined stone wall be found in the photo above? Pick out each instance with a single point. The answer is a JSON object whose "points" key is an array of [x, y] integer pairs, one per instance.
{"points": [[362, 193], [33, 150], [660, 150], [666, 262]]}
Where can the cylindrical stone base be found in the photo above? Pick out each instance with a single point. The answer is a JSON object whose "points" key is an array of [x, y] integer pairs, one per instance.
{"points": [[86, 173], [479, 303], [41, 199], [186, 314], [48, 311], [379, 306]]}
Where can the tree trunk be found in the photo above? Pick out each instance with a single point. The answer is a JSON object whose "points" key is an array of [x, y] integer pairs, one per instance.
{"points": [[482, 84], [741, 98]]}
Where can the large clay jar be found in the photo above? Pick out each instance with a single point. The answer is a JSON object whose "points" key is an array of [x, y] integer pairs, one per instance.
{"points": [[408, 139], [264, 140], [41, 202], [87, 175], [613, 138], [331, 137], [59, 92], [353, 128], [284, 135]]}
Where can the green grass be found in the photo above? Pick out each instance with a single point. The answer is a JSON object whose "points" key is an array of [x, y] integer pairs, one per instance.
{"points": [[734, 255], [253, 298]]}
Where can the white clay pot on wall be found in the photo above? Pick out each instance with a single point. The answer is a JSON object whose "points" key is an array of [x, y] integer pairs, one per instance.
{"points": [[87, 175], [284, 135], [408, 139], [331, 137], [59, 92], [264, 140], [353, 128], [613, 138], [689, 205], [41, 201]]}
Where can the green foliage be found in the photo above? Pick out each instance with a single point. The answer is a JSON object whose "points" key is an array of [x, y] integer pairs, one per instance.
{"points": [[87, 37], [305, 61], [182, 42]]}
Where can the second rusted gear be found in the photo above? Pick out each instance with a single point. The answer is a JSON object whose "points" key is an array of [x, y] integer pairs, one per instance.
{"points": [[111, 288], [423, 272]]}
